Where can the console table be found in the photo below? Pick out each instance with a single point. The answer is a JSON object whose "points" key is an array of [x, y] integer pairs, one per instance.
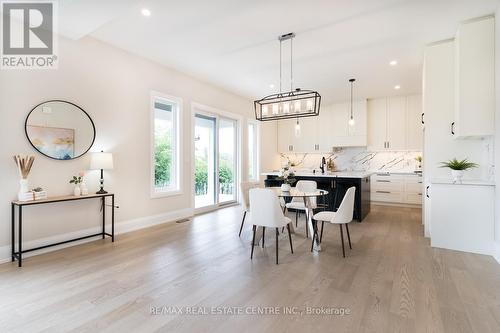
{"points": [[20, 204]]}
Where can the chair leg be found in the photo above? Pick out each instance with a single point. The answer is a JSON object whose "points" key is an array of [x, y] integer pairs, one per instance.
{"points": [[348, 236], [290, 237], [314, 222], [307, 229], [253, 241], [342, 237], [322, 226], [277, 246], [263, 236], [242, 221], [296, 218]]}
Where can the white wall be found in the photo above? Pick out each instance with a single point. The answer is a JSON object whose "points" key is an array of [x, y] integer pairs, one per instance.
{"points": [[497, 135], [114, 87]]}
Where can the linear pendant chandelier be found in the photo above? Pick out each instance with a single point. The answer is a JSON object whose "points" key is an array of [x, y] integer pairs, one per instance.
{"points": [[296, 103]]}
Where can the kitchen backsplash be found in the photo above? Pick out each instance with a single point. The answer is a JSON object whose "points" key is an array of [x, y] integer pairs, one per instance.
{"points": [[358, 159]]}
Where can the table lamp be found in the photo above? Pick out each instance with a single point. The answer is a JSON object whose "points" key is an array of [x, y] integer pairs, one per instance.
{"points": [[101, 161]]}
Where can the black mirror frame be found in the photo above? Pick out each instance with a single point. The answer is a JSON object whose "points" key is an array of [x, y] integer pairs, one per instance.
{"points": [[63, 101]]}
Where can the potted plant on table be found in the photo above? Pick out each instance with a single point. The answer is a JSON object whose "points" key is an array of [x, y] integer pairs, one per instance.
{"points": [[458, 167], [286, 175]]}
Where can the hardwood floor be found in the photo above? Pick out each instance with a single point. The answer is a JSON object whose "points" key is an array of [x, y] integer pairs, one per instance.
{"points": [[390, 281]]}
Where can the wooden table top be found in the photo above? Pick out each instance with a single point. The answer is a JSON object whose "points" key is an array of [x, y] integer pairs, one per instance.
{"points": [[59, 199]]}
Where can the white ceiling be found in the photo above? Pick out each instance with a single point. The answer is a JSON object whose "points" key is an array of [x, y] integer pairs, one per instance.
{"points": [[233, 43]]}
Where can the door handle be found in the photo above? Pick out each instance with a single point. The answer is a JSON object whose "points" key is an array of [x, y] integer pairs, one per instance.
{"points": [[422, 118], [453, 128], [427, 192]]}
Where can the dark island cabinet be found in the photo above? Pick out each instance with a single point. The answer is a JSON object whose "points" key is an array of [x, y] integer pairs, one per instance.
{"points": [[337, 187]]}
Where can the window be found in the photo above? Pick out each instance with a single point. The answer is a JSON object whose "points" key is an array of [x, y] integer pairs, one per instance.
{"points": [[165, 145], [253, 151]]}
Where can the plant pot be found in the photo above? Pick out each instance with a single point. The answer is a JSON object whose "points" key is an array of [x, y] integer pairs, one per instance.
{"points": [[286, 187], [77, 191], [457, 175]]}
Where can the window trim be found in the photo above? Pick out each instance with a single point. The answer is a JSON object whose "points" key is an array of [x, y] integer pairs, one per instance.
{"points": [[155, 96], [256, 160]]}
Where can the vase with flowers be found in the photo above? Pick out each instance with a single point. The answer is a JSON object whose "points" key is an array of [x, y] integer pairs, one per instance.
{"points": [[24, 164], [286, 175], [77, 180]]}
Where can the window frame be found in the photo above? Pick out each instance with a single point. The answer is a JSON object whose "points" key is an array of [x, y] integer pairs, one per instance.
{"points": [[256, 158], [177, 147]]}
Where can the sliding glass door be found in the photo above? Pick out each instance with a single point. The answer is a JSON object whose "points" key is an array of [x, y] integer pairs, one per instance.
{"points": [[215, 160]]}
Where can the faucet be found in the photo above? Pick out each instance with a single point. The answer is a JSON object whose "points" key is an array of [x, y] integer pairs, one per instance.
{"points": [[322, 166]]}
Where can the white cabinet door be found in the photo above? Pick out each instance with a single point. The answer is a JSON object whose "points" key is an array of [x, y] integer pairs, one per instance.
{"points": [[325, 129], [463, 217], [475, 74], [396, 123], [357, 132], [286, 135], [307, 142], [414, 133], [377, 124]]}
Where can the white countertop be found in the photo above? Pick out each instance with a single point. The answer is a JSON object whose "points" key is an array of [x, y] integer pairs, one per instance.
{"points": [[449, 181], [341, 174]]}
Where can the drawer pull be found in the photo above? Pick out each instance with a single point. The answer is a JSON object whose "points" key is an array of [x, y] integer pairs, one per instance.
{"points": [[383, 181], [383, 174], [383, 192]]}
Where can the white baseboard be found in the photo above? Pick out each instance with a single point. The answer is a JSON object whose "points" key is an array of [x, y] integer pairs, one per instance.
{"points": [[496, 251], [120, 228]]}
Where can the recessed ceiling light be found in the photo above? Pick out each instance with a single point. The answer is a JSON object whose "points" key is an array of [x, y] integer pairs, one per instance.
{"points": [[146, 12], [271, 86], [397, 87], [393, 63]]}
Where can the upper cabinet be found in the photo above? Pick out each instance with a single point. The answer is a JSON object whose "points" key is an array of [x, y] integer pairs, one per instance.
{"points": [[395, 123], [330, 129], [475, 79]]}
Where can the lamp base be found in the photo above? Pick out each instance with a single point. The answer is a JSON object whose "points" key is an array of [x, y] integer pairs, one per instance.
{"points": [[101, 191]]}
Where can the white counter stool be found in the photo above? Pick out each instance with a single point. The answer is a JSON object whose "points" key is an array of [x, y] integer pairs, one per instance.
{"points": [[266, 212], [298, 203], [343, 216]]}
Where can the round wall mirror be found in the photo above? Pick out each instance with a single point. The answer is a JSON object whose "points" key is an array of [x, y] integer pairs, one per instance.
{"points": [[60, 130]]}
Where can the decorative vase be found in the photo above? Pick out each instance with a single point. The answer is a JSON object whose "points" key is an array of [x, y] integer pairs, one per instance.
{"points": [[23, 188], [83, 189], [77, 191], [285, 187], [457, 175]]}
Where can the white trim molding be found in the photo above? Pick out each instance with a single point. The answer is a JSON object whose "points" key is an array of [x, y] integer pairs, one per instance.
{"points": [[120, 228]]}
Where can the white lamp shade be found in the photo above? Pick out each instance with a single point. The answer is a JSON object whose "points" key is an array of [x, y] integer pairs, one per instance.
{"points": [[101, 161]]}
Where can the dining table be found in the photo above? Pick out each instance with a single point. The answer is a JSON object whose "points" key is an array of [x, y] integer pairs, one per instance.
{"points": [[308, 203]]}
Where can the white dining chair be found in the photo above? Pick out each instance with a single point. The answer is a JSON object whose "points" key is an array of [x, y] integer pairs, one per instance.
{"points": [[343, 216], [267, 213], [298, 203], [245, 188]]}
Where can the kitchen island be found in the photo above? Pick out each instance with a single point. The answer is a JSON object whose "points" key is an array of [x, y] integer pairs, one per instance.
{"points": [[336, 183]]}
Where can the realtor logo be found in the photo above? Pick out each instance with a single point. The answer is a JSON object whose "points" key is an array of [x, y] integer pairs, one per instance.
{"points": [[28, 35]]}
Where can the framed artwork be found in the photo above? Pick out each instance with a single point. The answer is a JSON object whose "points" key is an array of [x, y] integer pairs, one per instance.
{"points": [[56, 142]]}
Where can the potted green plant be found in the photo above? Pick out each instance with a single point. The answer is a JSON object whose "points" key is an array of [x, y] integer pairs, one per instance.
{"points": [[458, 167]]}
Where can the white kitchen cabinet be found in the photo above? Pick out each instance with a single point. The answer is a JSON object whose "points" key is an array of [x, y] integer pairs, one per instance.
{"points": [[475, 78], [330, 129], [463, 217], [286, 135], [414, 119], [398, 189], [377, 124], [396, 123]]}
